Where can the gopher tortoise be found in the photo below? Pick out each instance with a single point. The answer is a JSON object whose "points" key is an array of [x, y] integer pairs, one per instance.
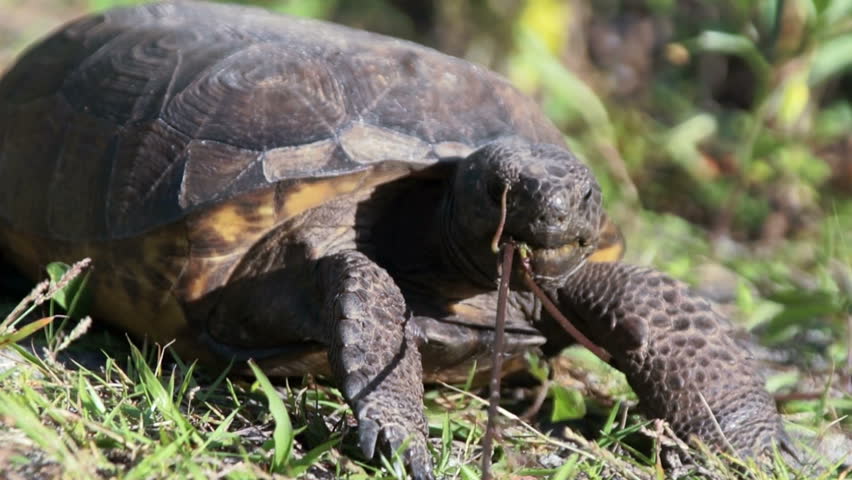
{"points": [[323, 199]]}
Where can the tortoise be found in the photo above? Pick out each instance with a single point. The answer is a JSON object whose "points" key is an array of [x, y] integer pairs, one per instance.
{"points": [[323, 199]]}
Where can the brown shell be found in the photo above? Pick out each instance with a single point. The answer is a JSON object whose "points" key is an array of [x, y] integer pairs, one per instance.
{"points": [[122, 123], [165, 140]]}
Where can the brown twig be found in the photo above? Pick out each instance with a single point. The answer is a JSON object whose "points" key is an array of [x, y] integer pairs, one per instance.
{"points": [[495, 242], [540, 396], [497, 358], [563, 321], [716, 425]]}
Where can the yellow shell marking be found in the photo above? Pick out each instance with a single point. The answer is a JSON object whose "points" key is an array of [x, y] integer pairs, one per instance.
{"points": [[206, 274], [140, 284], [220, 236], [366, 144], [611, 244], [611, 253], [230, 225], [310, 195], [465, 310], [131, 282]]}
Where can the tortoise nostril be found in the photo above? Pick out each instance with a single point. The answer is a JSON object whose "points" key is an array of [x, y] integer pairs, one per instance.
{"points": [[560, 218]]}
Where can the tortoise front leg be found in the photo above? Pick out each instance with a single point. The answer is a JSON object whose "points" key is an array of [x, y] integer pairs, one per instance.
{"points": [[677, 355], [374, 357]]}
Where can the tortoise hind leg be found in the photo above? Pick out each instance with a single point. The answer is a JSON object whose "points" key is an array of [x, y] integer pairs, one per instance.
{"points": [[677, 355], [374, 356]]}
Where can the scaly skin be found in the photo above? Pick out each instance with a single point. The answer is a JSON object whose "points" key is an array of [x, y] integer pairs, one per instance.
{"points": [[375, 358], [674, 349]]}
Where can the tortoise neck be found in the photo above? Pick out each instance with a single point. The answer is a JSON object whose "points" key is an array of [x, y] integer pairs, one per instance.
{"points": [[420, 244], [455, 258]]}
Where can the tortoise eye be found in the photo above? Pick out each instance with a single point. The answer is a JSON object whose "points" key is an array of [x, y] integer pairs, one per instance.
{"points": [[588, 194]]}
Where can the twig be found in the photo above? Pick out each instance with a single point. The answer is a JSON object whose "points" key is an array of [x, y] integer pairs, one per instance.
{"points": [[497, 356], [538, 401], [564, 322], [717, 426], [495, 242], [658, 445], [511, 416], [593, 450]]}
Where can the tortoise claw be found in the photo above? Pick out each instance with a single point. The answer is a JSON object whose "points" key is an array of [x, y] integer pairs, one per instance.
{"points": [[398, 439], [368, 434]]}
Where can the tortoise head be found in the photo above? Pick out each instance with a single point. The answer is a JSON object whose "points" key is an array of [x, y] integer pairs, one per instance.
{"points": [[553, 204]]}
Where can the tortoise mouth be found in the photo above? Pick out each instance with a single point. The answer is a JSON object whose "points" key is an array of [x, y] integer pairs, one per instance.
{"points": [[550, 264]]}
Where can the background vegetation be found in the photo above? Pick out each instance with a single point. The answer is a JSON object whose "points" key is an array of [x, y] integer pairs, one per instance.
{"points": [[722, 135]]}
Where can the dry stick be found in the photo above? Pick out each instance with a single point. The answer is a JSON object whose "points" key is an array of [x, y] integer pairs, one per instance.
{"points": [[499, 330], [716, 425], [538, 401], [497, 357], [495, 242], [589, 450], [564, 322]]}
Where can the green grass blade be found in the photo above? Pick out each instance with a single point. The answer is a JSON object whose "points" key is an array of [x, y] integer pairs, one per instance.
{"points": [[219, 435], [283, 435], [302, 465], [159, 397], [568, 469], [15, 409], [609, 425], [159, 461], [733, 44], [831, 58], [25, 331]]}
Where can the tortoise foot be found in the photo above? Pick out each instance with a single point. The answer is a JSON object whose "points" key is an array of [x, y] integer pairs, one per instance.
{"points": [[375, 358], [389, 418]]}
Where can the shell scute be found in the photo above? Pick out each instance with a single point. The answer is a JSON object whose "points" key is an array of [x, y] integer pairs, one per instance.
{"points": [[76, 203], [300, 161], [212, 168], [366, 144], [148, 165], [24, 129], [279, 96]]}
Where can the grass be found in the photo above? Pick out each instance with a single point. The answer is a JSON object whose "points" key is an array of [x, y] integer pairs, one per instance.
{"points": [[139, 412], [695, 183]]}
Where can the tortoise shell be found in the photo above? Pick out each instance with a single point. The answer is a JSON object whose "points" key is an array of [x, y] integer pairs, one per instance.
{"points": [[169, 109], [166, 141]]}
